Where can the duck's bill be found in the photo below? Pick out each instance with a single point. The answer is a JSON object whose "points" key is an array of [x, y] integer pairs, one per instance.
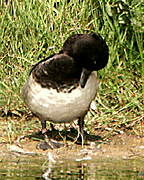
{"points": [[84, 77]]}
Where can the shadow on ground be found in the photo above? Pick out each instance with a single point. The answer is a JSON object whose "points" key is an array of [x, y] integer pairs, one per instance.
{"points": [[65, 135]]}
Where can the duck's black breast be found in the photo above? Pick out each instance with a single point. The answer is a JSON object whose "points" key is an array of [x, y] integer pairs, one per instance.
{"points": [[59, 72]]}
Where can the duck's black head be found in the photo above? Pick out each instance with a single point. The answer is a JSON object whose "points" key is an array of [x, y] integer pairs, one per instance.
{"points": [[89, 50]]}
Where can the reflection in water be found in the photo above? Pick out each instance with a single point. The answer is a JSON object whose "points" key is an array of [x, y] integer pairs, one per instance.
{"points": [[78, 173], [48, 172], [51, 164], [92, 170], [26, 168]]}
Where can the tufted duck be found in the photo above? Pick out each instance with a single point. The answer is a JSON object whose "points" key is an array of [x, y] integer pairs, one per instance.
{"points": [[61, 87]]}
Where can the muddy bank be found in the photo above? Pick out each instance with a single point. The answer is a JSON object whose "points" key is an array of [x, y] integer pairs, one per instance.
{"points": [[120, 147], [119, 158]]}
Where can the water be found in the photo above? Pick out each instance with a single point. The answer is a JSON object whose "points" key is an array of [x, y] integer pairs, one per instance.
{"points": [[38, 168]]}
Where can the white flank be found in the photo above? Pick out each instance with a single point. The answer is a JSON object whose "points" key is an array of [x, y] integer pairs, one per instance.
{"points": [[55, 106]]}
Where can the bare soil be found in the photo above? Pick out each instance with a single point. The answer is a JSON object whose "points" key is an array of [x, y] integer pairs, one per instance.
{"points": [[120, 147]]}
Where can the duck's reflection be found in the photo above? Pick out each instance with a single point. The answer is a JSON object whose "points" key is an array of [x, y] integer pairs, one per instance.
{"points": [[67, 170]]}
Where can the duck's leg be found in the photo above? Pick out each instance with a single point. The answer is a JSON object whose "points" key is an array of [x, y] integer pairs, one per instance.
{"points": [[52, 127], [44, 129], [81, 127], [48, 143]]}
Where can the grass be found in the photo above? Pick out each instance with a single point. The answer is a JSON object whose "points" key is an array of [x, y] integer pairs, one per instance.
{"points": [[32, 30]]}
